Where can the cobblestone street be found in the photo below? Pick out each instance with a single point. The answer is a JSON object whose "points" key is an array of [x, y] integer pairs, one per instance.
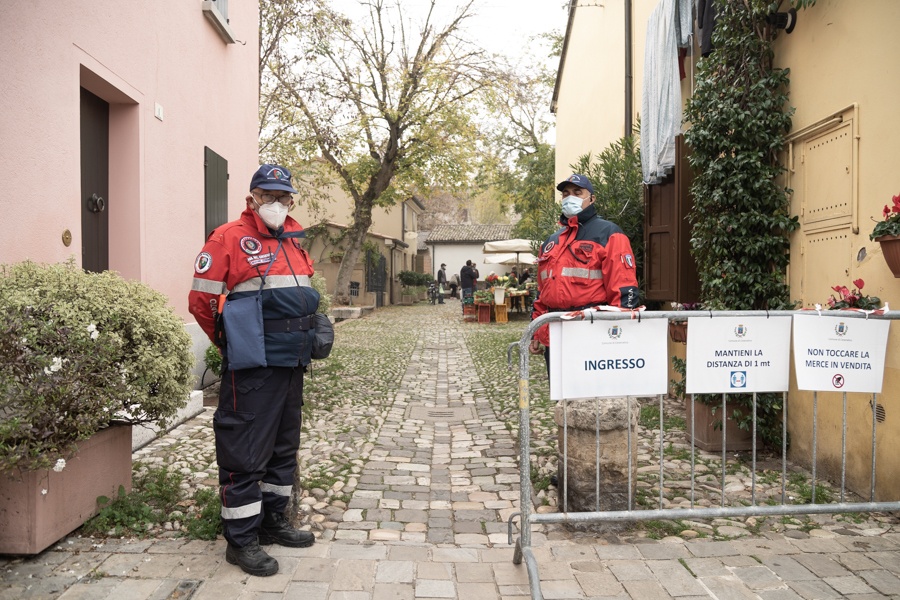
{"points": [[409, 465]]}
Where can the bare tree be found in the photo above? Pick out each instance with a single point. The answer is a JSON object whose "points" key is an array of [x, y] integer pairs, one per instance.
{"points": [[387, 111]]}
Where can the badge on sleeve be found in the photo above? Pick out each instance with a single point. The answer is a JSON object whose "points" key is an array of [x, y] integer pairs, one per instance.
{"points": [[203, 262], [628, 260]]}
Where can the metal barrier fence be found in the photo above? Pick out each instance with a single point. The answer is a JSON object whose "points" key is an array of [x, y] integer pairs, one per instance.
{"points": [[527, 517]]}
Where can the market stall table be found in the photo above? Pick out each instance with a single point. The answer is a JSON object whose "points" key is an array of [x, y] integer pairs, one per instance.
{"points": [[518, 300]]}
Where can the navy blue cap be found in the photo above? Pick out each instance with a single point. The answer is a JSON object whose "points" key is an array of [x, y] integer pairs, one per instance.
{"points": [[272, 177], [579, 180]]}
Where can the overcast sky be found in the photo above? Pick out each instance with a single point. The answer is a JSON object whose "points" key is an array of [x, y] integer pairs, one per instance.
{"points": [[501, 26]]}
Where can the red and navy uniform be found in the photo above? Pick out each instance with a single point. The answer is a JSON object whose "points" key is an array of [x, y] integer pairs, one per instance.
{"points": [[588, 262], [257, 423]]}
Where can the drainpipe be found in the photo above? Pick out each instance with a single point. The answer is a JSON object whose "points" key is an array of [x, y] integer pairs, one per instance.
{"points": [[629, 77]]}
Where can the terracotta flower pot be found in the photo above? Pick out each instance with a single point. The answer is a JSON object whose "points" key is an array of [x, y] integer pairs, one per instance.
{"points": [[39, 507], [678, 331], [890, 248]]}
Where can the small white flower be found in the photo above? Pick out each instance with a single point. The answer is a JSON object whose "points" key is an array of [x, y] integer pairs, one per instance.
{"points": [[55, 366], [44, 492], [60, 465], [92, 329]]}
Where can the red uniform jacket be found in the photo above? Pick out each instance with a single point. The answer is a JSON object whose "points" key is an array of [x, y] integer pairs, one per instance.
{"points": [[588, 262], [232, 264]]}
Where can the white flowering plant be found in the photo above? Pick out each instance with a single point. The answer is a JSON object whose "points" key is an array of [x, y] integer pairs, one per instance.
{"points": [[78, 352]]}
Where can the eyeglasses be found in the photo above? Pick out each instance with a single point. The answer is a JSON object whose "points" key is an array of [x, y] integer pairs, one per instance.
{"points": [[270, 198]]}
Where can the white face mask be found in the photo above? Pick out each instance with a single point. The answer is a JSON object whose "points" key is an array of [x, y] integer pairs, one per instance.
{"points": [[272, 214], [571, 205]]}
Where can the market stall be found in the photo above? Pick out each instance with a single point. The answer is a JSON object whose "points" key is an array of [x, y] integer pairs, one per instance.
{"points": [[515, 253]]}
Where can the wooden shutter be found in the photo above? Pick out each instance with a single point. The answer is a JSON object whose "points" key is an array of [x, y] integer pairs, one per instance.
{"points": [[670, 274], [215, 189]]}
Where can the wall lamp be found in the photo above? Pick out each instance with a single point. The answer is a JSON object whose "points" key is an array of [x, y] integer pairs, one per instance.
{"points": [[783, 20]]}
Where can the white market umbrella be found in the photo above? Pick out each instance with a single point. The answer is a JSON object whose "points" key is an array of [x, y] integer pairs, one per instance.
{"points": [[517, 245], [511, 258], [509, 252]]}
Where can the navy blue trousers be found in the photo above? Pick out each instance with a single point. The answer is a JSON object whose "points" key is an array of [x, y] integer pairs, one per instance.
{"points": [[257, 427]]}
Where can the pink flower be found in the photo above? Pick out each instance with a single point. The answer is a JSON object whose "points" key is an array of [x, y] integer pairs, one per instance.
{"points": [[896, 200], [859, 283], [886, 212]]}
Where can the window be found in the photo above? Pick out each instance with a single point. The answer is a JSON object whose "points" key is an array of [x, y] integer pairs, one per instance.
{"points": [[215, 180], [216, 12]]}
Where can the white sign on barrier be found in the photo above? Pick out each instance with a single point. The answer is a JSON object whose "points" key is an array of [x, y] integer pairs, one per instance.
{"points": [[608, 358], [832, 354], [733, 355]]}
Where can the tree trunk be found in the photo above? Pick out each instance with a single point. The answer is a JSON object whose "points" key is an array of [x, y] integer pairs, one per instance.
{"points": [[362, 220]]}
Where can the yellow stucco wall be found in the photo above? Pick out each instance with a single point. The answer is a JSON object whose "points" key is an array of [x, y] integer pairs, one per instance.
{"points": [[590, 112], [843, 62]]}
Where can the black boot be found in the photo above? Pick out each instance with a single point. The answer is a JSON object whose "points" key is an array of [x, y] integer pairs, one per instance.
{"points": [[252, 559], [275, 529]]}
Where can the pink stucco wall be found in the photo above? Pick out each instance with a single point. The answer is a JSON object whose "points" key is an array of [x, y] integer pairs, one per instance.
{"points": [[134, 55]]}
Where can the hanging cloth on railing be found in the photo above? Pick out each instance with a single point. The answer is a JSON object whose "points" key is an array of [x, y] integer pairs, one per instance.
{"points": [[669, 28]]}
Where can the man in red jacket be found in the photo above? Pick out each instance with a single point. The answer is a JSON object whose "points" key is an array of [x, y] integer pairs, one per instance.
{"points": [[588, 262], [251, 294]]}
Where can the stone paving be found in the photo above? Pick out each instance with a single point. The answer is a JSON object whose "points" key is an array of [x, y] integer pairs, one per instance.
{"points": [[424, 476]]}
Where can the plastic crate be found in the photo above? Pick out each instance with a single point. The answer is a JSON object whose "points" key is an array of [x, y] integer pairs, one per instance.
{"points": [[470, 313]]}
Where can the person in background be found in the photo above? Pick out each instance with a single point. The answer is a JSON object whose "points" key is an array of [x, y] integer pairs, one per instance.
{"points": [[258, 259], [588, 262], [468, 276], [454, 285], [525, 276], [442, 282]]}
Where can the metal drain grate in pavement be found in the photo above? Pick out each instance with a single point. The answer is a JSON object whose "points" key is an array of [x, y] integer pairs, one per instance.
{"points": [[436, 414]]}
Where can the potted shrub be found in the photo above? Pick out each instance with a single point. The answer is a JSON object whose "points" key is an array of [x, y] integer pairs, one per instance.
{"points": [[708, 422], [414, 286], [81, 353], [887, 233], [853, 299]]}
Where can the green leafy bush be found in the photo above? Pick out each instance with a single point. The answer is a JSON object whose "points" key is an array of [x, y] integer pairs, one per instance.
{"points": [[413, 279], [213, 360], [741, 222], [78, 351], [739, 117], [318, 283]]}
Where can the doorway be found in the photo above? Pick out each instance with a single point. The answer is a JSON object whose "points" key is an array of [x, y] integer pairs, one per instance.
{"points": [[94, 182]]}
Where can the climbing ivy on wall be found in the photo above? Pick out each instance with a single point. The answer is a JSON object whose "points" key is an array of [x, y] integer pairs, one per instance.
{"points": [[739, 116], [738, 120]]}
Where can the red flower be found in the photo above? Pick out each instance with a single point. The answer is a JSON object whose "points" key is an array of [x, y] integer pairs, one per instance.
{"points": [[886, 212], [896, 200], [859, 283]]}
